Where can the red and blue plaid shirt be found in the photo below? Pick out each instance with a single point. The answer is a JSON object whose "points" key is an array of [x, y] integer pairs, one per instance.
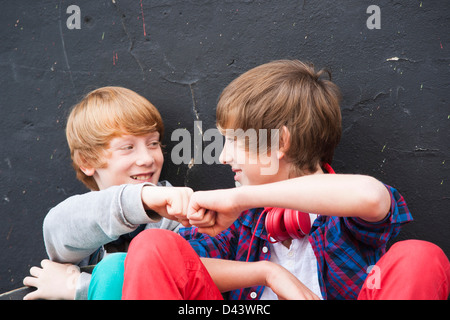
{"points": [[344, 247]]}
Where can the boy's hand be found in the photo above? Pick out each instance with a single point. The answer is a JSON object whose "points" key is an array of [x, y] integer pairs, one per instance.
{"points": [[231, 275], [286, 286], [54, 281], [214, 211], [169, 202]]}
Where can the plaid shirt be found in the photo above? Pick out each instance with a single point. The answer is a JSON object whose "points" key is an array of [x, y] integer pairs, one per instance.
{"points": [[344, 247]]}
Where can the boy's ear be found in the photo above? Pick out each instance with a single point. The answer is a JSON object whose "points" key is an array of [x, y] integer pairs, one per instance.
{"points": [[89, 171], [285, 142], [84, 165]]}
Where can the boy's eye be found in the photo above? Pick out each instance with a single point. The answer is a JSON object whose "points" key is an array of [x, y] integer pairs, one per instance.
{"points": [[127, 147], [154, 144]]}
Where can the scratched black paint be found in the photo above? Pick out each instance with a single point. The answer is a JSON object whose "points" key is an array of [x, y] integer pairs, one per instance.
{"points": [[181, 54]]}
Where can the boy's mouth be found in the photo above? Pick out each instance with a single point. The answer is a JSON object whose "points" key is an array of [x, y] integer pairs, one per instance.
{"points": [[142, 177], [237, 174]]}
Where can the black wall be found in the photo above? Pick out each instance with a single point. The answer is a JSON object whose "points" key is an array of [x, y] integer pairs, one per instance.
{"points": [[180, 55]]}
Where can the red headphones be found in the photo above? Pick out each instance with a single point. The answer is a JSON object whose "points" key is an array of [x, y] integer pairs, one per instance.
{"points": [[283, 224]]}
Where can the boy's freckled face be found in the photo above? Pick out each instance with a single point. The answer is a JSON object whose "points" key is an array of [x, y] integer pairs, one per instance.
{"points": [[131, 160]]}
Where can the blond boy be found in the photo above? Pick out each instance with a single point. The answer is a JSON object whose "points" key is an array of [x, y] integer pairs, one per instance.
{"points": [[114, 136]]}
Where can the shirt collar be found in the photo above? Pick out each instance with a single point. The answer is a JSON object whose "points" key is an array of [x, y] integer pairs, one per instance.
{"points": [[249, 218]]}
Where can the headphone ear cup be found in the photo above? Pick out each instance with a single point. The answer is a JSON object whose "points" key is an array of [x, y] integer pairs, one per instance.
{"points": [[275, 224], [304, 222], [298, 224], [290, 221]]}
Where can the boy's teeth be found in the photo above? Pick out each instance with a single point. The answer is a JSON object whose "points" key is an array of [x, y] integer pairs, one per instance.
{"points": [[141, 177]]}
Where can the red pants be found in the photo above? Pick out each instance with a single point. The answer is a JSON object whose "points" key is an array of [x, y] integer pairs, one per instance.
{"points": [[410, 270], [162, 265]]}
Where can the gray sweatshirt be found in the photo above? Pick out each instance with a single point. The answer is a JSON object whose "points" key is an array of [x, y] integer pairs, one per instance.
{"points": [[80, 226]]}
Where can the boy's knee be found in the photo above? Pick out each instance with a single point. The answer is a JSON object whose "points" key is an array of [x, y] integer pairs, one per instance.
{"points": [[153, 251], [154, 235], [152, 242], [111, 265], [422, 261], [418, 251], [411, 269]]}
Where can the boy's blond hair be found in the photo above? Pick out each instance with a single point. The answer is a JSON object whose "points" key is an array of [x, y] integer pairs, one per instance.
{"points": [[286, 93], [102, 115]]}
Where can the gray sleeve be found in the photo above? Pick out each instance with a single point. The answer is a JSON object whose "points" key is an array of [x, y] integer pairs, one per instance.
{"points": [[167, 224], [81, 292], [81, 224]]}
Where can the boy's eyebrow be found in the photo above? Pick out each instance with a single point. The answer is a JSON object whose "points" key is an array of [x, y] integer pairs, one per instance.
{"points": [[128, 138], [124, 138], [155, 134]]}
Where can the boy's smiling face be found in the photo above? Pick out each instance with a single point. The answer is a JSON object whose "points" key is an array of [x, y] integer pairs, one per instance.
{"points": [[247, 166], [130, 160]]}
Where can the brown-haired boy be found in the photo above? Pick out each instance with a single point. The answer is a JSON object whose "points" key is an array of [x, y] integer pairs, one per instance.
{"points": [[353, 216]]}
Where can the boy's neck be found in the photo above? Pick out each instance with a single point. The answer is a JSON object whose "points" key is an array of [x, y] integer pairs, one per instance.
{"points": [[300, 173], [287, 243]]}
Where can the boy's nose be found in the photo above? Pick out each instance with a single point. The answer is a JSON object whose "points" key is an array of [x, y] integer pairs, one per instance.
{"points": [[225, 156], [145, 158]]}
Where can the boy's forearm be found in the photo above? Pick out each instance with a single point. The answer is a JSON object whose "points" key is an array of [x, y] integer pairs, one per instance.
{"points": [[231, 275], [81, 224], [331, 194]]}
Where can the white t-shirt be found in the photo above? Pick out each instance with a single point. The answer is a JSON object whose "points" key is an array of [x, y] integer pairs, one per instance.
{"points": [[300, 260]]}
